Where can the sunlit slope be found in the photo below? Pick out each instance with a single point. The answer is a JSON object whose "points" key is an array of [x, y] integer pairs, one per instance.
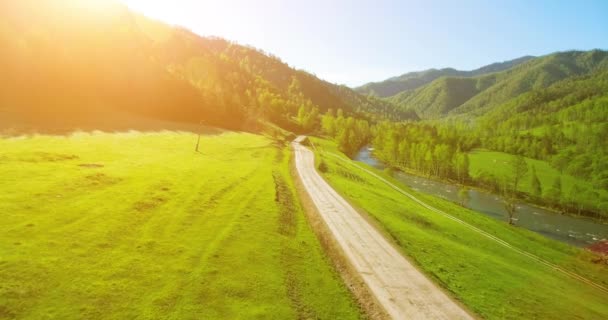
{"points": [[449, 96], [414, 80], [565, 124], [492, 280], [131, 225], [66, 61]]}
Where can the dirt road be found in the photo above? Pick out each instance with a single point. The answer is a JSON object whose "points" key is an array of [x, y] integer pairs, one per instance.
{"points": [[399, 287]]}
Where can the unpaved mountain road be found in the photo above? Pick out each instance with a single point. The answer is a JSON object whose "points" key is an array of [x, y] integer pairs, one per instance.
{"points": [[399, 287]]}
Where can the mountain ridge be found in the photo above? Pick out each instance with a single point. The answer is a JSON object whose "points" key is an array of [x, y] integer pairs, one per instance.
{"points": [[413, 80], [474, 96]]}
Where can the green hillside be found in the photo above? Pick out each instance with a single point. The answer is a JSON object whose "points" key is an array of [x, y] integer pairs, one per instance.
{"points": [[566, 124], [536, 74], [475, 96], [413, 80], [564, 127], [439, 97], [112, 63]]}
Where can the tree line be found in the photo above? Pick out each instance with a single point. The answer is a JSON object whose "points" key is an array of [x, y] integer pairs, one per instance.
{"points": [[424, 148]]}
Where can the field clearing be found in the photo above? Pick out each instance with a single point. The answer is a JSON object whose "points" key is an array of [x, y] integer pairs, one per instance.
{"points": [[498, 163], [139, 226], [493, 281]]}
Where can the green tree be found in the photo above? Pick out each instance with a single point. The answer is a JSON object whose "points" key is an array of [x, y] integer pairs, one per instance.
{"points": [[510, 208], [344, 139], [328, 124], [535, 184], [519, 169], [555, 193], [301, 115], [464, 196], [461, 166]]}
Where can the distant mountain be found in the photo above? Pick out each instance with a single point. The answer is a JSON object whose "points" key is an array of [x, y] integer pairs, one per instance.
{"points": [[413, 80], [475, 96], [67, 63]]}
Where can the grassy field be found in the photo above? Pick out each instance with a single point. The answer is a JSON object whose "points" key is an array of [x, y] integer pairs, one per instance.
{"points": [[498, 163], [139, 226], [493, 281]]}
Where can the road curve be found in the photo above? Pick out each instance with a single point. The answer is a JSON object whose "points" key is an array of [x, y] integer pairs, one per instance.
{"points": [[399, 287]]}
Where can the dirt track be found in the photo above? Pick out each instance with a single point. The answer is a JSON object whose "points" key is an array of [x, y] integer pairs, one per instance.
{"points": [[399, 287]]}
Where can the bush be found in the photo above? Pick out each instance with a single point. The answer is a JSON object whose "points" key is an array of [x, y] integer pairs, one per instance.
{"points": [[322, 166], [389, 171]]}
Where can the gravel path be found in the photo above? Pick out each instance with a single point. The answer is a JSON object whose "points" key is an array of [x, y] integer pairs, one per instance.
{"points": [[402, 290]]}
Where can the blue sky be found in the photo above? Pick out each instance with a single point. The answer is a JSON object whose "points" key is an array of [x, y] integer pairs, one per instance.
{"points": [[354, 42]]}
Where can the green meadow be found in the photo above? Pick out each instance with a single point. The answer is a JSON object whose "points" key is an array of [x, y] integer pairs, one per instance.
{"points": [[139, 226], [491, 280], [498, 164]]}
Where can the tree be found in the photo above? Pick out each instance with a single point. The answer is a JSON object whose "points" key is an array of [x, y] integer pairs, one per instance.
{"points": [[510, 207], [461, 166], [519, 168], [328, 124], [301, 115], [344, 140], [508, 197], [464, 196], [535, 184], [555, 193]]}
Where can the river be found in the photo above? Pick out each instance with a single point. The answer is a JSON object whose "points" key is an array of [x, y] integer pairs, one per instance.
{"points": [[577, 231]]}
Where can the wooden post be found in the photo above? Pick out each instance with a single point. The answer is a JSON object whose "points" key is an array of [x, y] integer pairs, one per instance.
{"points": [[198, 140]]}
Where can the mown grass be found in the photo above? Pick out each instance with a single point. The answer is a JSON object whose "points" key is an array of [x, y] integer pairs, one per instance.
{"points": [[139, 226], [491, 280]]}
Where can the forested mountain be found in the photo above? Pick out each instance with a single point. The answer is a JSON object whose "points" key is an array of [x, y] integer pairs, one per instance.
{"points": [[413, 80], [69, 62], [477, 95], [563, 125]]}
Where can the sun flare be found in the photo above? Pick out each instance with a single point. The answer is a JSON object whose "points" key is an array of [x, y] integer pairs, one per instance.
{"points": [[154, 9]]}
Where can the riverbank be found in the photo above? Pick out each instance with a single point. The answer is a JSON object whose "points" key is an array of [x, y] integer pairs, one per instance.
{"points": [[545, 204], [577, 231], [600, 247], [493, 280]]}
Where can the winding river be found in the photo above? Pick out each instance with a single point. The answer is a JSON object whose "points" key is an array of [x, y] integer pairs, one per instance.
{"points": [[573, 230]]}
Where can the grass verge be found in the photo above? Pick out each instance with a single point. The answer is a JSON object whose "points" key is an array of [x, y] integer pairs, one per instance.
{"points": [[493, 281]]}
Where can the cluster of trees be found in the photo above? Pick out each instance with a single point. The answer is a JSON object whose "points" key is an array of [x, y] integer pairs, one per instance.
{"points": [[430, 149], [350, 134], [441, 150], [576, 199]]}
